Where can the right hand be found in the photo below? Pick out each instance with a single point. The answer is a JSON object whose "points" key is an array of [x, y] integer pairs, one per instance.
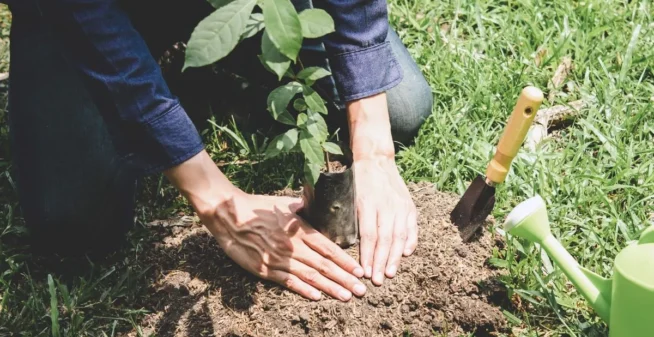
{"points": [[265, 236]]}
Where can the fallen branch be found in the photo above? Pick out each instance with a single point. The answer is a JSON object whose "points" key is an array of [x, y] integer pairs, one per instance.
{"points": [[559, 77], [237, 162], [551, 117], [183, 221], [545, 117]]}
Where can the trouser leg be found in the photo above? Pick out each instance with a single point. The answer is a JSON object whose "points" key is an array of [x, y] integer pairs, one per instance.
{"points": [[75, 193], [409, 103]]}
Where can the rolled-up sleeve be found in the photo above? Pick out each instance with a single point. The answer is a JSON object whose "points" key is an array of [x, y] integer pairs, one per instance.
{"points": [[360, 56], [146, 121]]}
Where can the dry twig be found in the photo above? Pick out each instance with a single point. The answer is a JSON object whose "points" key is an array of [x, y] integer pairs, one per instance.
{"points": [[550, 117], [556, 113]]}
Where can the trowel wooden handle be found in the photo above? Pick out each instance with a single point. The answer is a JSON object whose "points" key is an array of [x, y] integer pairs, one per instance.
{"points": [[514, 133]]}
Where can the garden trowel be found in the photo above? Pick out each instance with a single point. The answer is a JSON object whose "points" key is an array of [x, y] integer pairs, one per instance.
{"points": [[479, 199]]}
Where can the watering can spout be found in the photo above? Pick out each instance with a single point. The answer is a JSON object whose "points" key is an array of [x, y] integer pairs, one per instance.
{"points": [[529, 221]]}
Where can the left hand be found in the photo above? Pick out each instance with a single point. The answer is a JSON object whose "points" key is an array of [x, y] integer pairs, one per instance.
{"points": [[386, 212], [387, 217]]}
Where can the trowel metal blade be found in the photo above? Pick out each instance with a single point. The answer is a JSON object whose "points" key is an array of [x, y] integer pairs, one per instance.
{"points": [[473, 208]]}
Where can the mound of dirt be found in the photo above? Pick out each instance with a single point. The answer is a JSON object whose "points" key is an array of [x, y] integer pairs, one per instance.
{"points": [[444, 288]]}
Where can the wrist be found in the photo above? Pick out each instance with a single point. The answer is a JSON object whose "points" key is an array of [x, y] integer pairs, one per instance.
{"points": [[370, 128], [202, 183]]}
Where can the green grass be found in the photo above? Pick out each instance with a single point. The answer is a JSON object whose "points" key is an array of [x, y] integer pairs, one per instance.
{"points": [[597, 175]]}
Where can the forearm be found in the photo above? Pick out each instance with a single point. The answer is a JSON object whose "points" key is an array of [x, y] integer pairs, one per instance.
{"points": [[370, 128], [360, 56], [145, 119], [202, 183]]}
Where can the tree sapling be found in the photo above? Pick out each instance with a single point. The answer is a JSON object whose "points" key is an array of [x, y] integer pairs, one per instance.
{"points": [[328, 194]]}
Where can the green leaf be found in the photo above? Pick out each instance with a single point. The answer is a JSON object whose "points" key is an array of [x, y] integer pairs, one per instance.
{"points": [[272, 58], [219, 3], [332, 148], [311, 172], [498, 262], [282, 143], [286, 118], [302, 120], [313, 100], [54, 307], [288, 73], [283, 26], [316, 23], [217, 34], [312, 74], [299, 104], [511, 317], [253, 26], [311, 148], [317, 126], [278, 100]]}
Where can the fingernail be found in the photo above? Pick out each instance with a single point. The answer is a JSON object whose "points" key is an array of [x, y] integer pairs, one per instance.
{"points": [[378, 278], [358, 272], [359, 289], [315, 294], [391, 271], [368, 271], [345, 295]]}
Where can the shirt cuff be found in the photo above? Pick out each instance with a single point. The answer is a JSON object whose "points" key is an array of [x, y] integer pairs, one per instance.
{"points": [[173, 140], [365, 72]]}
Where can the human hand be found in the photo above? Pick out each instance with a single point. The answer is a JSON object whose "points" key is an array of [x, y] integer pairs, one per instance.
{"points": [[387, 215], [265, 236]]}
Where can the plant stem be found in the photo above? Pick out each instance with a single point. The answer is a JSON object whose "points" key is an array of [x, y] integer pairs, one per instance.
{"points": [[329, 170]]}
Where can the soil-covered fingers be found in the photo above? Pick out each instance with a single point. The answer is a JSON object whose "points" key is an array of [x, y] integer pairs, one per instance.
{"points": [[385, 221], [317, 280], [331, 251], [412, 232], [332, 271], [368, 233], [294, 284], [398, 245]]}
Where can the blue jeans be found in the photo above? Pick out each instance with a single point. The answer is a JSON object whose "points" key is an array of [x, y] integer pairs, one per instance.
{"points": [[75, 194]]}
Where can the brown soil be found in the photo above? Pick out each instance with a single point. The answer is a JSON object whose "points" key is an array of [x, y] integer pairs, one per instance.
{"points": [[444, 288], [335, 166]]}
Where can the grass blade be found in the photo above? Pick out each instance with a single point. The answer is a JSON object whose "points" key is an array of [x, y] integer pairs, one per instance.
{"points": [[54, 308], [626, 63]]}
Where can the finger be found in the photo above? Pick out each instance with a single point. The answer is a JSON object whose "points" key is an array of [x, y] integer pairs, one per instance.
{"points": [[397, 247], [412, 233], [384, 240], [368, 233], [294, 283], [315, 279], [331, 251], [331, 270]]}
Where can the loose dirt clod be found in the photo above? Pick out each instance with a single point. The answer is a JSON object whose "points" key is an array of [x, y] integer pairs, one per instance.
{"points": [[444, 288]]}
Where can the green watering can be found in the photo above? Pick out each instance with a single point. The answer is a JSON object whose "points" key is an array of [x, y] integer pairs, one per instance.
{"points": [[625, 302]]}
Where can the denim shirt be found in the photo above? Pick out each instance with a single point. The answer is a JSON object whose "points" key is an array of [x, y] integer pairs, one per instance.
{"points": [[146, 120]]}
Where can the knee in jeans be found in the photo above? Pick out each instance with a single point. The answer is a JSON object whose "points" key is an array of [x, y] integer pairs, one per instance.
{"points": [[411, 110], [424, 103]]}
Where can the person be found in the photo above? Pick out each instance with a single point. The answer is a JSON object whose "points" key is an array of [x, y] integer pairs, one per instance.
{"points": [[90, 114]]}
